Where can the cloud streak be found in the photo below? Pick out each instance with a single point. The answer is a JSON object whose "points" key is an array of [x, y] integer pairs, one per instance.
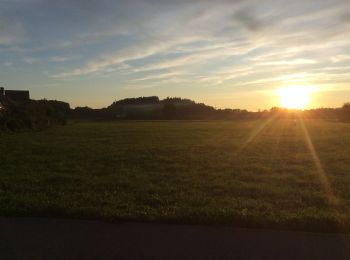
{"points": [[237, 45]]}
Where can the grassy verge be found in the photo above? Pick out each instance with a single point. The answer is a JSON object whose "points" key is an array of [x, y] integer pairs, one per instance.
{"points": [[202, 172]]}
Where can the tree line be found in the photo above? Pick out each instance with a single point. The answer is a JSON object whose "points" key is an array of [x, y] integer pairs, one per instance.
{"points": [[152, 108], [34, 114], [170, 108], [38, 114]]}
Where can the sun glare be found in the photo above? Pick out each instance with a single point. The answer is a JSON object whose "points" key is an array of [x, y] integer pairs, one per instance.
{"points": [[294, 97]]}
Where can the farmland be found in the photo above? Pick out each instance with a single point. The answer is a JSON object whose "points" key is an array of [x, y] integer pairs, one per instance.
{"points": [[268, 173]]}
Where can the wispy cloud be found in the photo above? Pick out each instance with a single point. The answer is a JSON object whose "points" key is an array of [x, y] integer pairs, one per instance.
{"points": [[63, 58], [166, 75], [7, 64], [133, 53], [11, 32], [340, 58], [234, 45], [29, 60]]}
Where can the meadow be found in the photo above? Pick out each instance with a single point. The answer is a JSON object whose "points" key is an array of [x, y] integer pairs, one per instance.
{"points": [[267, 173]]}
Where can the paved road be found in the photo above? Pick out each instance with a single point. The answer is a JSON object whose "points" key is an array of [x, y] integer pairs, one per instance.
{"points": [[77, 239]]}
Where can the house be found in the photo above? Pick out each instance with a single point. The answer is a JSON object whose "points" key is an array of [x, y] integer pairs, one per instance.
{"points": [[13, 97]]}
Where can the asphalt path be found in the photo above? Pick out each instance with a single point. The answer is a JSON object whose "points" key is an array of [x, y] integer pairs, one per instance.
{"points": [[35, 238]]}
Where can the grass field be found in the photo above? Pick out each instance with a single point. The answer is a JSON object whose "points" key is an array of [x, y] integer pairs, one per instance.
{"points": [[263, 173]]}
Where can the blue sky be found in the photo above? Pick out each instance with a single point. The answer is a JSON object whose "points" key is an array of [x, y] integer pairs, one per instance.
{"points": [[224, 53]]}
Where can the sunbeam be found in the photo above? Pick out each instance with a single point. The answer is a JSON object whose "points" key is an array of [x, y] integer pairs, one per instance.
{"points": [[333, 200], [255, 132]]}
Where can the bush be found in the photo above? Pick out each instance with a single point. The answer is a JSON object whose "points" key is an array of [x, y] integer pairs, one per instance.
{"points": [[34, 115]]}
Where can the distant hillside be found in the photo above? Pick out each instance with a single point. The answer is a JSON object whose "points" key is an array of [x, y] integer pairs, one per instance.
{"points": [[154, 108]]}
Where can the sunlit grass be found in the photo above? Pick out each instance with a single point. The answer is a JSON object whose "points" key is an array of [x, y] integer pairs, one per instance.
{"points": [[248, 173]]}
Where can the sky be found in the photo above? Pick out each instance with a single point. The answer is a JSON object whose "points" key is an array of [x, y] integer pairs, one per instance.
{"points": [[225, 53]]}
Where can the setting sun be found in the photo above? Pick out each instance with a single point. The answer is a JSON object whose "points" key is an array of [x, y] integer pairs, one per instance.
{"points": [[294, 97]]}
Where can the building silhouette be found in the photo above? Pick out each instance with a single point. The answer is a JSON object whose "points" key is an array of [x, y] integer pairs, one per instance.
{"points": [[13, 97]]}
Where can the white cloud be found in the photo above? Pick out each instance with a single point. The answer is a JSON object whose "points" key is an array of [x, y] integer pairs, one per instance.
{"points": [[11, 32], [340, 58], [8, 64], [133, 53], [288, 62], [63, 58], [29, 60]]}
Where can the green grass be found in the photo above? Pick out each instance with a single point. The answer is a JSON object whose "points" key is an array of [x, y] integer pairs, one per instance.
{"points": [[201, 172]]}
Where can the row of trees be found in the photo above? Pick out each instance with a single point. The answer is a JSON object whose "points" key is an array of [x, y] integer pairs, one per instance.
{"points": [[341, 114], [36, 114], [153, 108], [177, 108]]}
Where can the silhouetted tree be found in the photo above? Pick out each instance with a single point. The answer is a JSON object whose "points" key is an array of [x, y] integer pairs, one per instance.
{"points": [[345, 112]]}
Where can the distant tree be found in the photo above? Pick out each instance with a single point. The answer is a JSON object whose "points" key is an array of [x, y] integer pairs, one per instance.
{"points": [[345, 112], [136, 101], [346, 106], [36, 114], [275, 110], [177, 101]]}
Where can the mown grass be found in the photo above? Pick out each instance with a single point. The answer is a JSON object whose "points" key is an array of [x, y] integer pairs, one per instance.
{"points": [[202, 172]]}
